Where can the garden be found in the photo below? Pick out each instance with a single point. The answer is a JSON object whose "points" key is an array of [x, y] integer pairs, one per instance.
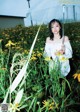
{"points": [[25, 82]]}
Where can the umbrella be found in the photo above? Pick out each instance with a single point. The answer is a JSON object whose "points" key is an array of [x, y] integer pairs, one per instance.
{"points": [[70, 1], [64, 3]]}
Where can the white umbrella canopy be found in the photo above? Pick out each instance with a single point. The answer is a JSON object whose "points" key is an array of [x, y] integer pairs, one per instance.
{"points": [[39, 9], [50, 9]]}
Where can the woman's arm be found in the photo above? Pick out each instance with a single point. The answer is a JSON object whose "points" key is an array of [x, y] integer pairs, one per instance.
{"points": [[67, 48], [47, 52]]}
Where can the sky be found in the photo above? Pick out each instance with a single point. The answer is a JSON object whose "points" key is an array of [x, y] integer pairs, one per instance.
{"points": [[40, 11]]}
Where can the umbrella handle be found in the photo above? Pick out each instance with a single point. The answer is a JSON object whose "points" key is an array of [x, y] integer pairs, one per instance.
{"points": [[63, 46]]}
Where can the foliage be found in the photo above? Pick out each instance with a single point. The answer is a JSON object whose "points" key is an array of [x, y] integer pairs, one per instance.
{"points": [[42, 91]]}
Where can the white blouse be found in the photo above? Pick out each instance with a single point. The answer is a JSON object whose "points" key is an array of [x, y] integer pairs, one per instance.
{"points": [[52, 47]]}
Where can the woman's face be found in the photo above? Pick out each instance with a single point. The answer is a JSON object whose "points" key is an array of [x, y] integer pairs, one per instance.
{"points": [[55, 27]]}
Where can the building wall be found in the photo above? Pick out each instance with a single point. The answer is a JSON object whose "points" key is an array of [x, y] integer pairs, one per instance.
{"points": [[8, 22]]}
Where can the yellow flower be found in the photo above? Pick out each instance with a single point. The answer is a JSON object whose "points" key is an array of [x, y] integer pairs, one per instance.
{"points": [[51, 108], [14, 107], [39, 54], [9, 43], [75, 75], [26, 51], [78, 77], [52, 103], [62, 58], [47, 59], [33, 58], [46, 103], [49, 104]]}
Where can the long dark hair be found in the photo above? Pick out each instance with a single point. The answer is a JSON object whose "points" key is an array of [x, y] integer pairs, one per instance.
{"points": [[50, 23]]}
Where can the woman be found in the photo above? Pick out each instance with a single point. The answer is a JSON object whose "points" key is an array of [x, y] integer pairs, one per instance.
{"points": [[58, 48]]}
